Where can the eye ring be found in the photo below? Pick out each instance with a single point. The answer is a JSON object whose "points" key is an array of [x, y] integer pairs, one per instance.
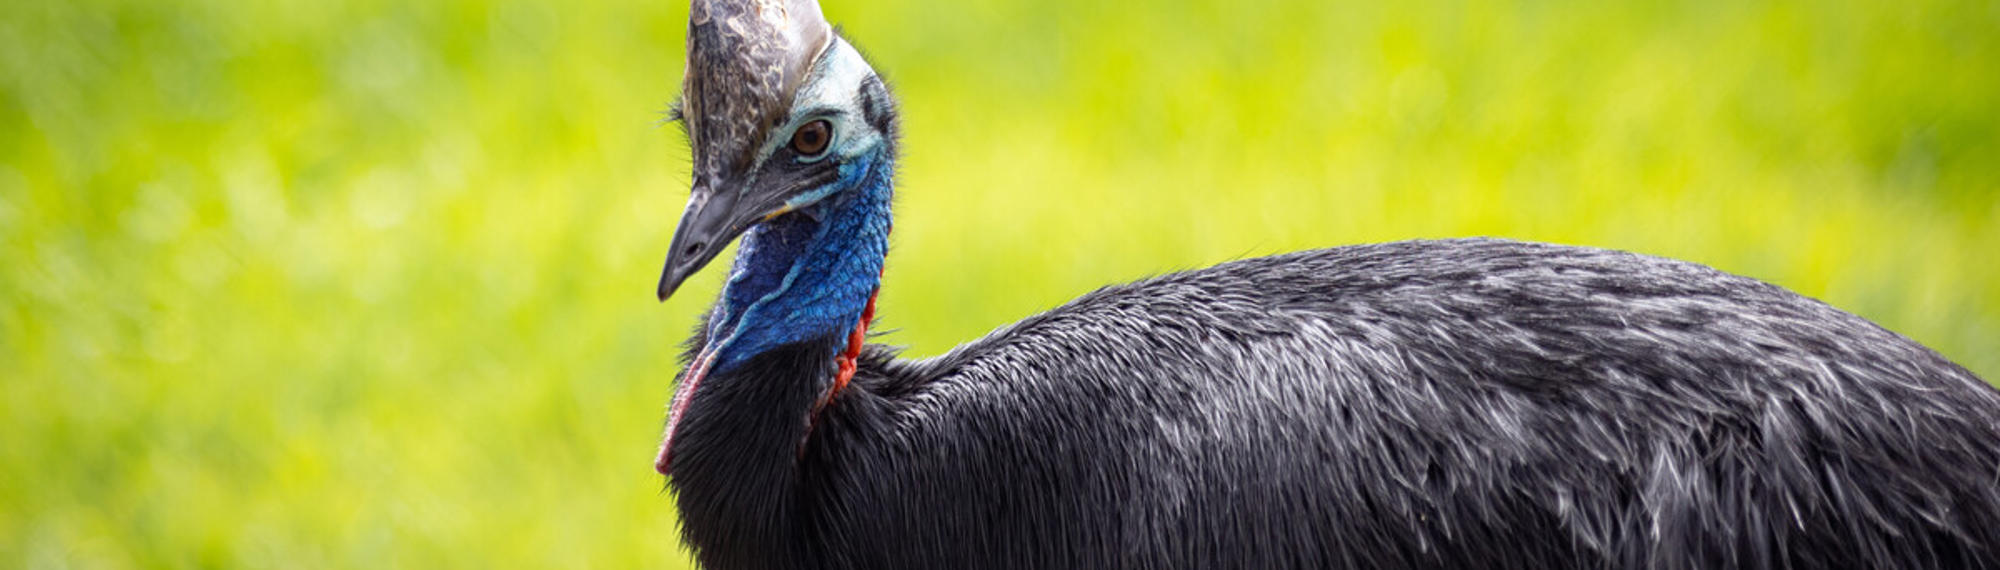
{"points": [[812, 138]]}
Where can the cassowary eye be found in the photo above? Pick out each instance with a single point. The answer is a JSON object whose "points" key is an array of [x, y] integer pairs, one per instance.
{"points": [[811, 139]]}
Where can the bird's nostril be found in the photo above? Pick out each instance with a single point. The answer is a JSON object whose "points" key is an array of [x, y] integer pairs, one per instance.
{"points": [[693, 248]]}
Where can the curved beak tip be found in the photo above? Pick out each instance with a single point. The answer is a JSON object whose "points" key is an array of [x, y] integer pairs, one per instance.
{"points": [[670, 281], [666, 289], [711, 221]]}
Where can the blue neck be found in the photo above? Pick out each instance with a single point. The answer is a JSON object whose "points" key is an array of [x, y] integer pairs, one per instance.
{"points": [[806, 275]]}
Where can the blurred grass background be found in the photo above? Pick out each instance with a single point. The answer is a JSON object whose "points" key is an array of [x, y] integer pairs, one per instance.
{"points": [[367, 283]]}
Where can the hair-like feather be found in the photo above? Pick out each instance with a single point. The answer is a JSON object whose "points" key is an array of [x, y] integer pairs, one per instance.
{"points": [[1465, 403], [1429, 404]]}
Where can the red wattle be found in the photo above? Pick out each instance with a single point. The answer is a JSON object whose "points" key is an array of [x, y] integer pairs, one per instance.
{"points": [[663, 462], [847, 361]]}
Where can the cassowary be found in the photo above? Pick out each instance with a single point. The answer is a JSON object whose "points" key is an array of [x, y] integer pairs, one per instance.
{"points": [[1435, 404]]}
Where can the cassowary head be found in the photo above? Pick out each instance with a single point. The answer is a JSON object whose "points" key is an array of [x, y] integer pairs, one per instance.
{"points": [[782, 114]]}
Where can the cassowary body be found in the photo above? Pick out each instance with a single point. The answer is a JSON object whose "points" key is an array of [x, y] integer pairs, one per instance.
{"points": [[1470, 403]]}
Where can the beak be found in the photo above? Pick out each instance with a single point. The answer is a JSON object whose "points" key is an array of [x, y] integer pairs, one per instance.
{"points": [[719, 212], [712, 220]]}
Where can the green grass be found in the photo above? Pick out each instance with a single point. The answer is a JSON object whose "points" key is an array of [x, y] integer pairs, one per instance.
{"points": [[367, 283]]}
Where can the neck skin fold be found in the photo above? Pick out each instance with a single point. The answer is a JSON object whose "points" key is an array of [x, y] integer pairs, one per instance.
{"points": [[803, 277]]}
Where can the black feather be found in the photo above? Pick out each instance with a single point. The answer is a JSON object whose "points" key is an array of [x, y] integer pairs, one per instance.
{"points": [[1440, 404]]}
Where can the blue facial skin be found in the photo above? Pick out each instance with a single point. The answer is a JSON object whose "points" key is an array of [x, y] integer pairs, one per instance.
{"points": [[808, 274]]}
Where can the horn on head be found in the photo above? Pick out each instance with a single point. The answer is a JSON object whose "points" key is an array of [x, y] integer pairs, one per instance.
{"points": [[745, 61]]}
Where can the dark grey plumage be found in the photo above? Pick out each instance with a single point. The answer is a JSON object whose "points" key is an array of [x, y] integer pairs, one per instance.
{"points": [[1447, 404], [1467, 403]]}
